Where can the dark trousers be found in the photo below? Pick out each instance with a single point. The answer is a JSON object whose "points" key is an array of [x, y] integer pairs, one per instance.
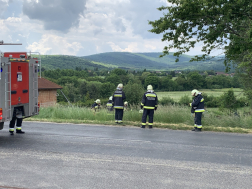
{"points": [[149, 113], [118, 114], [13, 121], [197, 119]]}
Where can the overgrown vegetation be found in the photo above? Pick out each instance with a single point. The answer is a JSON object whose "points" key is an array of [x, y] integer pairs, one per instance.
{"points": [[83, 87], [171, 116]]}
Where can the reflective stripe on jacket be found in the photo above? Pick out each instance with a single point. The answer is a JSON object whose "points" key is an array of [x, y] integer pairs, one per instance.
{"points": [[109, 103], [149, 100], [95, 106]]}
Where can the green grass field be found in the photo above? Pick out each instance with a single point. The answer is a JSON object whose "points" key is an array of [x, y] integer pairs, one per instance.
{"points": [[172, 117], [176, 95], [168, 116]]}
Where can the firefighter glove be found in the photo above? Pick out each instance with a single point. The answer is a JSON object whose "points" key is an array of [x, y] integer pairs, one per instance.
{"points": [[155, 108], [141, 107]]}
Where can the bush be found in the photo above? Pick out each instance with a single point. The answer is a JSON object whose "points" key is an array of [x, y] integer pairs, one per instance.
{"points": [[211, 101], [134, 93], [185, 100], [166, 101], [243, 102], [229, 101]]}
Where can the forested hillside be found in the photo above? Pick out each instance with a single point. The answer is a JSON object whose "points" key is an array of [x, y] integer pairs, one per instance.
{"points": [[133, 61], [67, 62], [152, 61]]}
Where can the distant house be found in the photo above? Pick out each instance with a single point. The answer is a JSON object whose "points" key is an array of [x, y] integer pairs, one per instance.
{"points": [[47, 92], [223, 73]]}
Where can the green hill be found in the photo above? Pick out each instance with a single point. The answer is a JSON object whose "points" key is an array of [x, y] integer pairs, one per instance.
{"points": [[152, 61], [126, 60], [67, 62]]}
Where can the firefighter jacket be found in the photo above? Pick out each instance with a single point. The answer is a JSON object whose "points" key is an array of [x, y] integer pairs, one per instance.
{"points": [[95, 106], [109, 104], [198, 104], [118, 98], [149, 100]]}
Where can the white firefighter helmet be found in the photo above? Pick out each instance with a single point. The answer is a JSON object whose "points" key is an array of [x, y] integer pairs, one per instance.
{"points": [[141, 111], [110, 98], [195, 92], [98, 101], [120, 85], [125, 103], [149, 87]]}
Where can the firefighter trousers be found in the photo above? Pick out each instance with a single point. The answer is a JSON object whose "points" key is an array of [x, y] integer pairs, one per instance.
{"points": [[13, 121], [118, 115], [150, 113], [197, 120]]}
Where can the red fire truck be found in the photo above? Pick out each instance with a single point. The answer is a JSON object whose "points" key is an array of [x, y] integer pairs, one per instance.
{"points": [[19, 73]]}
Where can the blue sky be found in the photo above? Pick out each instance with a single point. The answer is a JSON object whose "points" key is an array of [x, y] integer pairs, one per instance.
{"points": [[81, 27]]}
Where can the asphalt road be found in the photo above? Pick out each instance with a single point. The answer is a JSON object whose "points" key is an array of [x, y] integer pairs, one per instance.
{"points": [[73, 156]]}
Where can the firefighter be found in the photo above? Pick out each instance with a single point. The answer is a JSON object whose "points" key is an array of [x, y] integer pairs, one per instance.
{"points": [[197, 108], [117, 99], [97, 105], [125, 105], [17, 115], [149, 104], [110, 104]]}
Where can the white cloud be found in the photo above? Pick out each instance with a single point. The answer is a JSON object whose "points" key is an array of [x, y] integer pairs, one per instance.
{"points": [[55, 45], [81, 27]]}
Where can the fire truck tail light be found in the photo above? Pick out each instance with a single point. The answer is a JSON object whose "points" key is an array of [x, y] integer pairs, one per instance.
{"points": [[36, 61], [19, 68], [1, 113]]}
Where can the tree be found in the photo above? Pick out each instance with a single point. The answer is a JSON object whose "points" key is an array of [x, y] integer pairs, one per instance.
{"points": [[119, 71], [222, 24], [218, 24], [107, 90], [195, 80], [134, 93], [94, 89], [83, 88], [182, 83], [228, 100], [152, 80], [167, 84], [113, 78]]}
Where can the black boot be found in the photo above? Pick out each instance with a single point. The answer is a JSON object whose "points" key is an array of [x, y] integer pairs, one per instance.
{"points": [[150, 126], [143, 126], [194, 129], [11, 132], [20, 132], [198, 130]]}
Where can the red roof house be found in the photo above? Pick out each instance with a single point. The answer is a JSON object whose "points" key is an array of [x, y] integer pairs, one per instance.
{"points": [[47, 92]]}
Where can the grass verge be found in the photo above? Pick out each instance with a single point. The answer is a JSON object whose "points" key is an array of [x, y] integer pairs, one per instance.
{"points": [[166, 117]]}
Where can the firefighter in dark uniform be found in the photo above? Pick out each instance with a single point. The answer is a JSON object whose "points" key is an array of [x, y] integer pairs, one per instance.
{"points": [[149, 104], [197, 108], [96, 106], [17, 116], [110, 104], [117, 99]]}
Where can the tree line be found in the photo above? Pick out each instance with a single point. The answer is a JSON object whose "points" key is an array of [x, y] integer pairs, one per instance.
{"points": [[84, 86]]}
